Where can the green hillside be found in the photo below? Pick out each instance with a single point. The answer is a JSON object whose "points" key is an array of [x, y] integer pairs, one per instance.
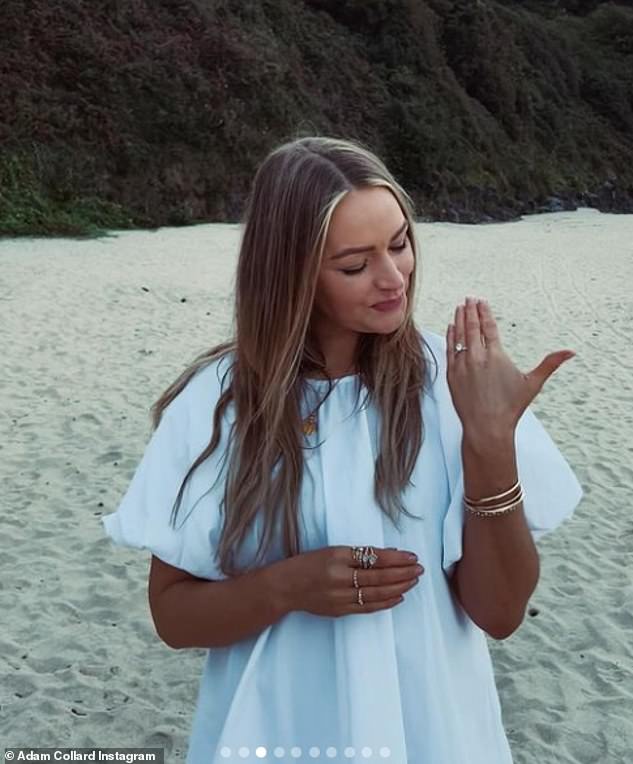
{"points": [[123, 114]]}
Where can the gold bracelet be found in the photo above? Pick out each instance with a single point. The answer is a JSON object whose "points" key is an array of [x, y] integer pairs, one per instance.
{"points": [[498, 496], [498, 505], [500, 510]]}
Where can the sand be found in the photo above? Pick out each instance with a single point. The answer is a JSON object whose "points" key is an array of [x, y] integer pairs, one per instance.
{"points": [[92, 332]]}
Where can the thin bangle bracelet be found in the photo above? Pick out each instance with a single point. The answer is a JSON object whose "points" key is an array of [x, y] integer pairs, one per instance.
{"points": [[496, 511], [498, 496], [499, 504]]}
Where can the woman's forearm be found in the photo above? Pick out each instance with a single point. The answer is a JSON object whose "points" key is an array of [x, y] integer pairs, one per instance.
{"points": [[499, 568], [218, 613]]}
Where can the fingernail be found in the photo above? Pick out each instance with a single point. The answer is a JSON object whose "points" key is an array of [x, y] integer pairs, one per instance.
{"points": [[413, 557]]}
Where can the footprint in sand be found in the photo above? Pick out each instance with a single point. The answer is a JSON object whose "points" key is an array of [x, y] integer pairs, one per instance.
{"points": [[109, 456]]}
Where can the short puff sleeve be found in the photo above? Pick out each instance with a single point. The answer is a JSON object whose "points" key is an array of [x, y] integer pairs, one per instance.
{"points": [[142, 519], [551, 489]]}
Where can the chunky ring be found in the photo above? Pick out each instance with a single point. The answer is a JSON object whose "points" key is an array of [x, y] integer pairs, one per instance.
{"points": [[459, 347], [365, 555]]}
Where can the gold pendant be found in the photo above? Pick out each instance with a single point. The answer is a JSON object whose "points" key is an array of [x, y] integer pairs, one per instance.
{"points": [[309, 424]]}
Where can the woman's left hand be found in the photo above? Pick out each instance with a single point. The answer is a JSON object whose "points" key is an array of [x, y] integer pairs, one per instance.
{"points": [[489, 393]]}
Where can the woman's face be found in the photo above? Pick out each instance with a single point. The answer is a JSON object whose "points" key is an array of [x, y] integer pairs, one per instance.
{"points": [[350, 285]]}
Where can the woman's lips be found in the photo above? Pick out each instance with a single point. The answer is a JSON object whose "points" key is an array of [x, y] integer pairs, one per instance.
{"points": [[392, 305]]}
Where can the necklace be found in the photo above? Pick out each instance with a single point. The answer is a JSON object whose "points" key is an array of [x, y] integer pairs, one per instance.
{"points": [[310, 424]]}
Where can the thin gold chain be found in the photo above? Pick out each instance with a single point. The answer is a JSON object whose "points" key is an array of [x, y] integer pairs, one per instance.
{"points": [[309, 424]]}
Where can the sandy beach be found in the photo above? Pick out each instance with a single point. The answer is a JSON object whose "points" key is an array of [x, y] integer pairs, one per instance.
{"points": [[94, 330]]}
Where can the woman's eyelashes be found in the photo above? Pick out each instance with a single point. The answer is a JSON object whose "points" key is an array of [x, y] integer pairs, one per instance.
{"points": [[362, 268]]}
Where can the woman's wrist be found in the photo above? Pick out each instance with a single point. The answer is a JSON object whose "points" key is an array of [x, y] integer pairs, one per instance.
{"points": [[279, 584], [487, 443]]}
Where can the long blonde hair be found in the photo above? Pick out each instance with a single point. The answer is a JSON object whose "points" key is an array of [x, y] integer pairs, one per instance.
{"points": [[294, 194]]}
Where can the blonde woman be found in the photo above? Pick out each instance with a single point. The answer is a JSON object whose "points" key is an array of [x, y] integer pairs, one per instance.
{"points": [[341, 506]]}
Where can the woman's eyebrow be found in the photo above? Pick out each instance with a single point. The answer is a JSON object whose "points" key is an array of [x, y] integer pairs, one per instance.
{"points": [[356, 250]]}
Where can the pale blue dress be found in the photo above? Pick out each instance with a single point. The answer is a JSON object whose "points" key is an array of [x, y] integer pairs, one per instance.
{"points": [[413, 684]]}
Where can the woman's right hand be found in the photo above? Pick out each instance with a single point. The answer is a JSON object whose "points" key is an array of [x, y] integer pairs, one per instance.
{"points": [[321, 581]]}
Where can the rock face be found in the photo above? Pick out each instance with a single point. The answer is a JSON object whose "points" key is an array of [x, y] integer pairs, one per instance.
{"points": [[143, 113]]}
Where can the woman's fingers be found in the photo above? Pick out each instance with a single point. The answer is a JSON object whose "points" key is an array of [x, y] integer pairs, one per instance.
{"points": [[378, 596], [385, 558], [387, 576]]}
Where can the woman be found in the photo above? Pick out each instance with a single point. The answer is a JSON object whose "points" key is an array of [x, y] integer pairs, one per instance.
{"points": [[297, 502]]}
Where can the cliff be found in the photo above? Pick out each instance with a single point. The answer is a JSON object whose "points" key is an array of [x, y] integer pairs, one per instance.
{"points": [[138, 113]]}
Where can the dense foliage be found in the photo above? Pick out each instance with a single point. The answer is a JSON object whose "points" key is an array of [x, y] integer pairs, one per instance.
{"points": [[136, 113]]}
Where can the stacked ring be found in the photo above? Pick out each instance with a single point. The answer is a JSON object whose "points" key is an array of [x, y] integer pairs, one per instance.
{"points": [[367, 558]]}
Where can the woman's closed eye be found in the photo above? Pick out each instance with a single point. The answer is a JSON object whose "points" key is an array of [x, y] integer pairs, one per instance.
{"points": [[362, 268]]}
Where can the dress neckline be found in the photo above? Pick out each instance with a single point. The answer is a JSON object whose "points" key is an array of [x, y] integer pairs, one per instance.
{"points": [[322, 380]]}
